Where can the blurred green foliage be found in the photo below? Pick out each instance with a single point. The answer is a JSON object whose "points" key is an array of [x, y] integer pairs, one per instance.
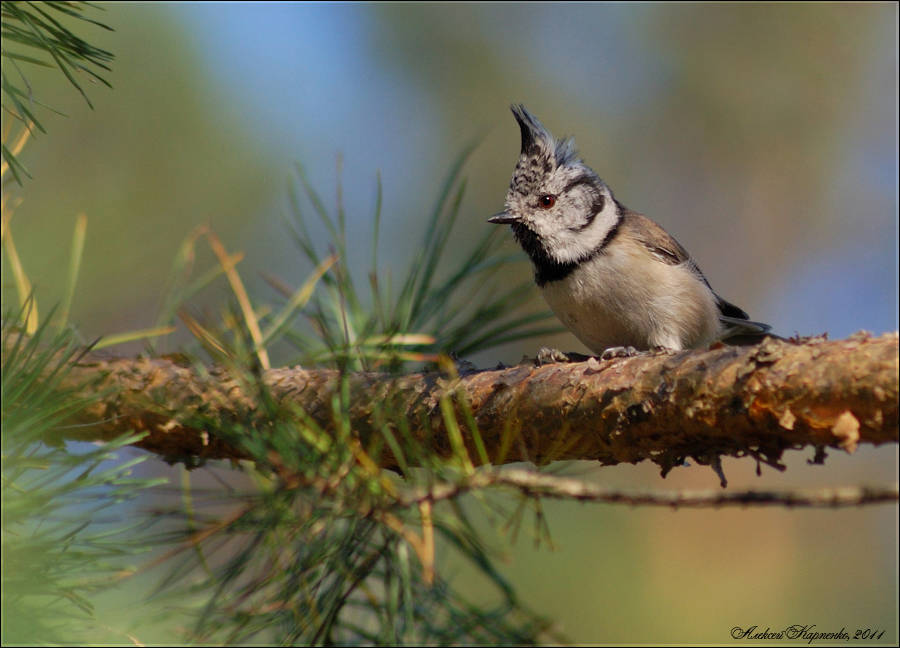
{"points": [[738, 147], [33, 28], [64, 533], [156, 157]]}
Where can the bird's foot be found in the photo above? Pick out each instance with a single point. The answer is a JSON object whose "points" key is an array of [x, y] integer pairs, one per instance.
{"points": [[620, 352], [553, 356]]}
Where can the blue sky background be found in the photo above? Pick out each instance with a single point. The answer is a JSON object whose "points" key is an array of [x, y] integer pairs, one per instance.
{"points": [[310, 87]]}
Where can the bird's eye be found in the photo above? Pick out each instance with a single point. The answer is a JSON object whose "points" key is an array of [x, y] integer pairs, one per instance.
{"points": [[547, 201]]}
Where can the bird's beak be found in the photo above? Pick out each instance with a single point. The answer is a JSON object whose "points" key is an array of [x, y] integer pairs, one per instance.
{"points": [[503, 218]]}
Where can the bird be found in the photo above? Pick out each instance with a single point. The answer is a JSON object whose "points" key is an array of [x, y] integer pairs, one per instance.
{"points": [[613, 277]]}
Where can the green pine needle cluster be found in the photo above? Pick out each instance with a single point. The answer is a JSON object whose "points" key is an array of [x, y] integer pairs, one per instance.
{"points": [[32, 33], [62, 535], [432, 310], [326, 547]]}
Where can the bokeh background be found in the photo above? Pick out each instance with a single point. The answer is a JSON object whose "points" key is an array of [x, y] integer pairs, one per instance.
{"points": [[763, 137]]}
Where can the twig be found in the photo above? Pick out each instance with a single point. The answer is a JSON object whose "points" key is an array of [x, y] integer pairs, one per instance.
{"points": [[537, 484]]}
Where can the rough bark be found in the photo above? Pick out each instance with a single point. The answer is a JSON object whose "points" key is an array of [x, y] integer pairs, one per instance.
{"points": [[665, 407]]}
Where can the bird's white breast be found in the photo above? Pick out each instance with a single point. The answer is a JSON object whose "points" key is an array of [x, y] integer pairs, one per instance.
{"points": [[627, 297]]}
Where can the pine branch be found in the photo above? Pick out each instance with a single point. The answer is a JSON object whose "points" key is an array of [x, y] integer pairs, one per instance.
{"points": [[534, 484], [728, 401]]}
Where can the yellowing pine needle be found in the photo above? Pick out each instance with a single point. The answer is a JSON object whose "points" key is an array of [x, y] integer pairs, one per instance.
{"points": [[411, 537], [131, 336], [200, 332], [74, 266], [404, 340], [23, 286], [17, 146], [427, 556], [299, 299], [237, 286], [456, 439]]}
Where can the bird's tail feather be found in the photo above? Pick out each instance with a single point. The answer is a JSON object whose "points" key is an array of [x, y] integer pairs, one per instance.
{"points": [[738, 332]]}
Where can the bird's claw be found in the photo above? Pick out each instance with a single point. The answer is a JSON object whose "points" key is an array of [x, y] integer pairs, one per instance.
{"points": [[620, 352], [550, 356]]}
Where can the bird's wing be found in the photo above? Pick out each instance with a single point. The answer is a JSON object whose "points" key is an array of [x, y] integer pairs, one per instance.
{"points": [[736, 325], [661, 245]]}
